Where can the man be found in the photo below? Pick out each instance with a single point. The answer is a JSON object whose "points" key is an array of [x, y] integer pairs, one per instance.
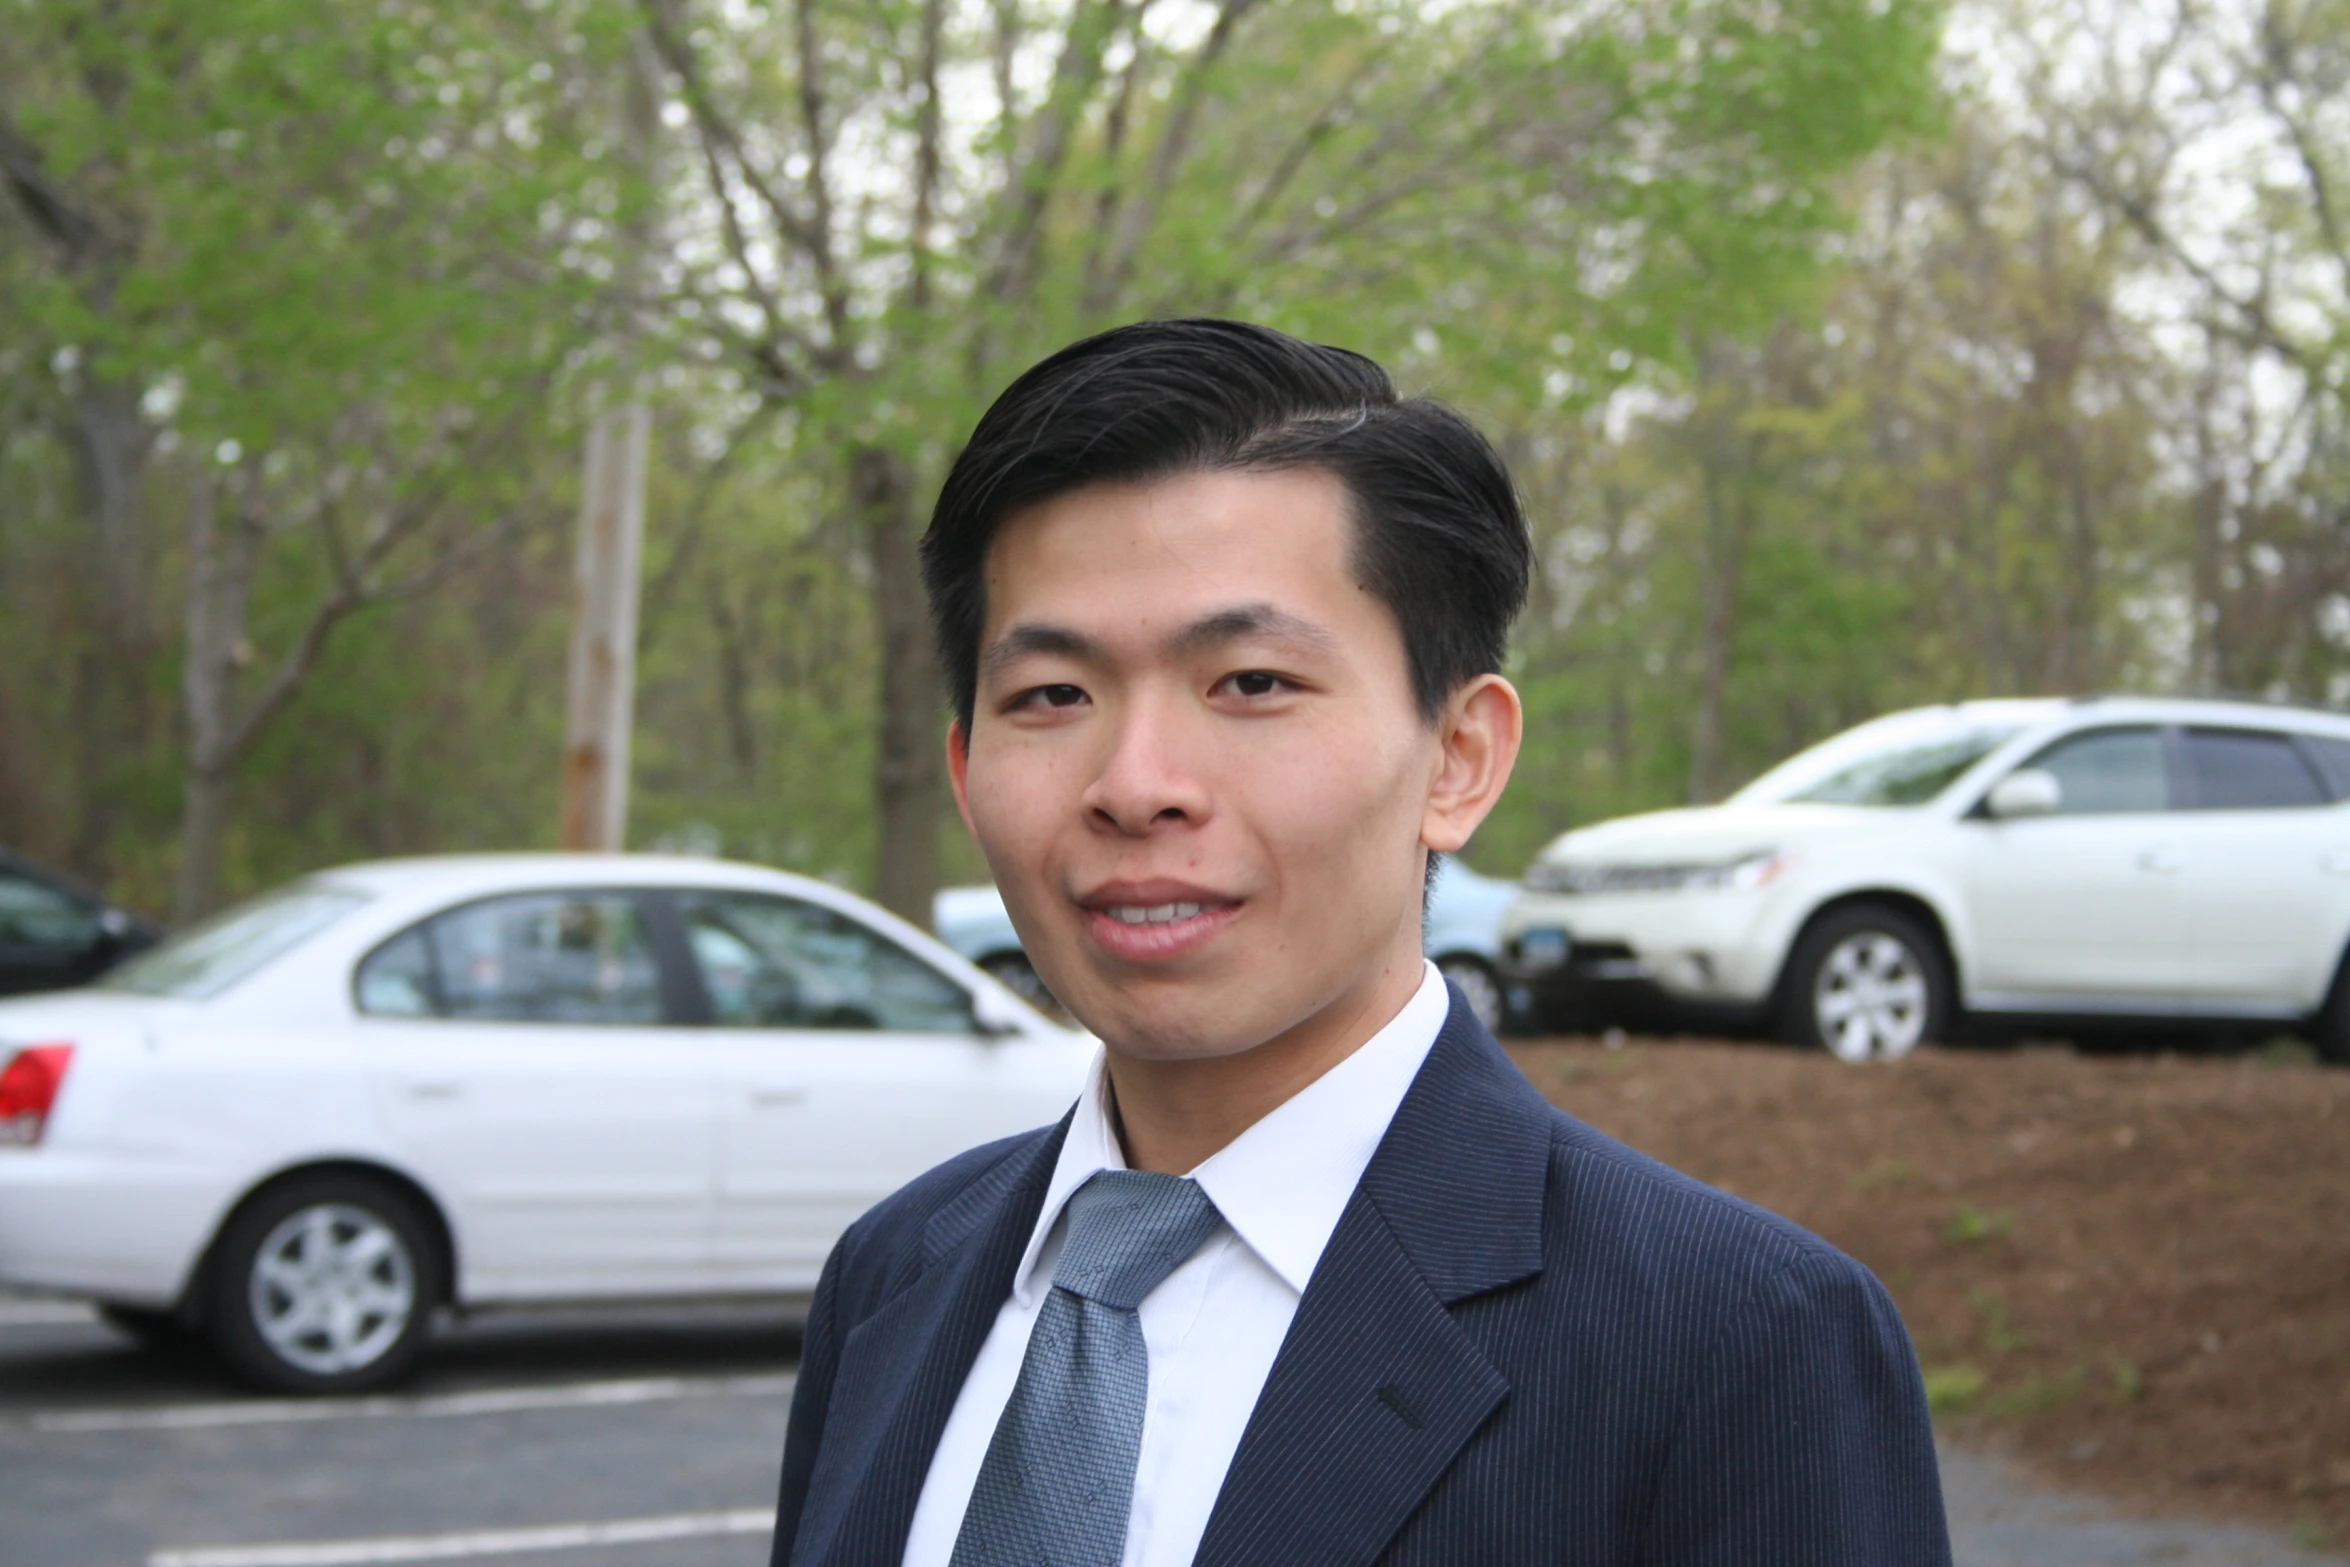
{"points": [[1310, 1274]]}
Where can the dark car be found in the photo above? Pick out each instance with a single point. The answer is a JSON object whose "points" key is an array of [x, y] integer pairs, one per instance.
{"points": [[56, 933]]}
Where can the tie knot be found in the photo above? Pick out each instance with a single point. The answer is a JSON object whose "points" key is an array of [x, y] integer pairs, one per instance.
{"points": [[1128, 1229]]}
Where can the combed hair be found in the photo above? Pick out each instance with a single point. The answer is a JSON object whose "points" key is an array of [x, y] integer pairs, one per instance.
{"points": [[1439, 536]]}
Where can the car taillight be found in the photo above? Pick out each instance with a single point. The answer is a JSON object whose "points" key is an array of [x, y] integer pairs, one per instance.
{"points": [[28, 1087]]}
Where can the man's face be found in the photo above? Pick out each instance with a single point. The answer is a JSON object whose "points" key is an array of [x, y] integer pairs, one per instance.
{"points": [[1195, 765]]}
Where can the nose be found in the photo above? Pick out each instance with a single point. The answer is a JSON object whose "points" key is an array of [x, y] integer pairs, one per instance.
{"points": [[1149, 779]]}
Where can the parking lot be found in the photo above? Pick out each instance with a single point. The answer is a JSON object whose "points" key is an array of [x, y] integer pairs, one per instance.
{"points": [[581, 1439], [651, 1439]]}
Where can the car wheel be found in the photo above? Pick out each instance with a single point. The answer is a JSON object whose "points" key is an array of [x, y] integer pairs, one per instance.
{"points": [[148, 1326], [1867, 984], [1015, 973], [324, 1285], [1479, 986]]}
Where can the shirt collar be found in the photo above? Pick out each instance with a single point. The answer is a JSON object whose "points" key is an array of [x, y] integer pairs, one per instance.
{"points": [[1283, 1183]]}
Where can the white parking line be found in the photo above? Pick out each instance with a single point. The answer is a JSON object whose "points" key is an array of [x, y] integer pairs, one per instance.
{"points": [[437, 1406], [481, 1542], [43, 1313]]}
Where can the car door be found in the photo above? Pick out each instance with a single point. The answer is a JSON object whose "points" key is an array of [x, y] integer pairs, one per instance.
{"points": [[2086, 907], [849, 1066], [2267, 871], [520, 1052]]}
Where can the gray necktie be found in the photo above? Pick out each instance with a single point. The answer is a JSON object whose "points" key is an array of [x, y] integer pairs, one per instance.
{"points": [[1058, 1481]]}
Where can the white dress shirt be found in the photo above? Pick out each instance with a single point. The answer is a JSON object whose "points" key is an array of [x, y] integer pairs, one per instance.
{"points": [[1213, 1326]]}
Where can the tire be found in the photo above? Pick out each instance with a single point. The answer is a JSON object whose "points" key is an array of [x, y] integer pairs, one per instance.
{"points": [[1867, 983], [1480, 986], [2329, 1031], [325, 1284], [152, 1328]]}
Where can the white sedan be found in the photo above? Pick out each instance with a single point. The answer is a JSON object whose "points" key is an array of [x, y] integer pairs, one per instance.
{"points": [[303, 1126], [2107, 857]]}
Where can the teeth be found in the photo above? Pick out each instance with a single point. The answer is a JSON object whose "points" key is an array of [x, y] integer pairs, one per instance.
{"points": [[1155, 914]]}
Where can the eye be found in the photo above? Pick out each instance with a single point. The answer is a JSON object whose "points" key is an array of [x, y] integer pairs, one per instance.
{"points": [[1050, 696], [1255, 682]]}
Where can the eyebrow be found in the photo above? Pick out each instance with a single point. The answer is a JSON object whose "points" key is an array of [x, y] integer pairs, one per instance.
{"points": [[1209, 631]]}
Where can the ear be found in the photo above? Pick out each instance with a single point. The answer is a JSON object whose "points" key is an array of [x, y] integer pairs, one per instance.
{"points": [[959, 772], [1478, 732]]}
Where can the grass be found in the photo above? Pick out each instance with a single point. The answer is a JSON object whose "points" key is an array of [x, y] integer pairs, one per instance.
{"points": [[2036, 1393], [1950, 1389], [2286, 1050], [1886, 1172], [1972, 1224], [1998, 1337]]}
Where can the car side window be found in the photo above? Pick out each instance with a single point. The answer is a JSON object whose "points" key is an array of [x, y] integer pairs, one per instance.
{"points": [[2106, 771], [773, 962], [34, 915], [2333, 759], [2248, 770], [397, 979], [539, 957]]}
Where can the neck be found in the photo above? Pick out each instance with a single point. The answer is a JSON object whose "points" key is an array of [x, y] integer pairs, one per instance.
{"points": [[1173, 1116]]}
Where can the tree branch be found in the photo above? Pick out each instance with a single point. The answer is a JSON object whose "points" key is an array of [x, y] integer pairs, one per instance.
{"points": [[1030, 196], [1174, 146]]}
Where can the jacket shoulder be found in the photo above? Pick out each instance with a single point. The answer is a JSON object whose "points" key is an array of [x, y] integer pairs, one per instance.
{"points": [[1639, 1207], [892, 1241]]}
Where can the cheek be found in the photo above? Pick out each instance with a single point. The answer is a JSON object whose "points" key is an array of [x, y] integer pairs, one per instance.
{"points": [[1329, 805], [1017, 792]]}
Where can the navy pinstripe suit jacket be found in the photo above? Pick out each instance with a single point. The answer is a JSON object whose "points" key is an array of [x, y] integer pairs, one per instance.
{"points": [[1525, 1343]]}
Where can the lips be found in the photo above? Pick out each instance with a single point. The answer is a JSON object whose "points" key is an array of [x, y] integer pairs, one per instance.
{"points": [[1154, 921]]}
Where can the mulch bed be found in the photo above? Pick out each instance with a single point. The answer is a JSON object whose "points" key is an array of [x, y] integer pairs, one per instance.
{"points": [[2131, 1272]]}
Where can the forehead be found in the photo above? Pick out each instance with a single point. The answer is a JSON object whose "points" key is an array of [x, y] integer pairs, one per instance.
{"points": [[1174, 548]]}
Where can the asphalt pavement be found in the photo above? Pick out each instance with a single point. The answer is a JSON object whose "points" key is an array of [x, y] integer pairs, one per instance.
{"points": [[585, 1440]]}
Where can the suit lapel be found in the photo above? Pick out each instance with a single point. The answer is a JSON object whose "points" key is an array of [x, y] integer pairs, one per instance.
{"points": [[902, 1368], [1377, 1388]]}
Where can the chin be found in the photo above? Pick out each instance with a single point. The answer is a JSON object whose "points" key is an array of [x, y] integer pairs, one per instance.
{"points": [[1172, 1026]]}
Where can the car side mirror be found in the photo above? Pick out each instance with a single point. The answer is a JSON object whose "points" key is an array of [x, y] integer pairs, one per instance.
{"points": [[2028, 791], [997, 1014]]}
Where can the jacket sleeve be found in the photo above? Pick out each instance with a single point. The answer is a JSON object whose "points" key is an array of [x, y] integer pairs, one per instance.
{"points": [[1805, 1440], [811, 1395]]}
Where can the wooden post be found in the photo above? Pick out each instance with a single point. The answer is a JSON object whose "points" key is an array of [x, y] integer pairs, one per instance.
{"points": [[602, 705]]}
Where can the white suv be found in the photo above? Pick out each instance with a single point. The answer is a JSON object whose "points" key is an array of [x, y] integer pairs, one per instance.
{"points": [[2100, 857]]}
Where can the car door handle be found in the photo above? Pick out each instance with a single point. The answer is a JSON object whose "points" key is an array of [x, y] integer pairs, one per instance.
{"points": [[768, 1097], [436, 1090], [2162, 859], [2337, 861]]}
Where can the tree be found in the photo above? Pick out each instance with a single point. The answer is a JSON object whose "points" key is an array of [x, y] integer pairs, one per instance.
{"points": [[343, 257], [1518, 202]]}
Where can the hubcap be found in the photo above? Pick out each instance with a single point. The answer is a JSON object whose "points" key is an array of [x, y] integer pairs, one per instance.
{"points": [[1481, 989], [332, 1289], [1871, 998]]}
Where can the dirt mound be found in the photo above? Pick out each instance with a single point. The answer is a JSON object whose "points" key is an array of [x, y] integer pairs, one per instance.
{"points": [[2132, 1272]]}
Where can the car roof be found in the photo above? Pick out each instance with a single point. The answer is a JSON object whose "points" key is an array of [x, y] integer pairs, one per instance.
{"points": [[462, 872], [2152, 709]]}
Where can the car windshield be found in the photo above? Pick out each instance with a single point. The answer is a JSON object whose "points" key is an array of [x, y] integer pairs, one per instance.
{"points": [[1907, 759], [205, 959]]}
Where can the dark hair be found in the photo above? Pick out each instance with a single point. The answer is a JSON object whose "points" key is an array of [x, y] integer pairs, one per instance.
{"points": [[1439, 537]]}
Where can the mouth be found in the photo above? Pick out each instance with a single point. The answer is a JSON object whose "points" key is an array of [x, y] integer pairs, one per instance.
{"points": [[1152, 921]]}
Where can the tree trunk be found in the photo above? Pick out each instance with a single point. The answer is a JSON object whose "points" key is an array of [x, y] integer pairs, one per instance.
{"points": [[110, 443], [1726, 529], [220, 581], [205, 797], [908, 761]]}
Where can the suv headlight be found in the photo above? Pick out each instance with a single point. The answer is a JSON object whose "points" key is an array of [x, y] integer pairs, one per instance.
{"points": [[1743, 874]]}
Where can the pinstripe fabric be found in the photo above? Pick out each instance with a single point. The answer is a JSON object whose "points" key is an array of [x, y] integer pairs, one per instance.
{"points": [[1525, 1343]]}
